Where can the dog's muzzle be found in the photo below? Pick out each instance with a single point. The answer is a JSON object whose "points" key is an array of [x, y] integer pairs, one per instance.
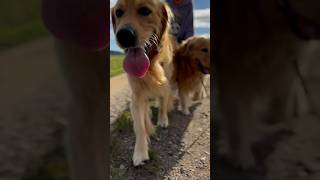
{"points": [[127, 37], [203, 69]]}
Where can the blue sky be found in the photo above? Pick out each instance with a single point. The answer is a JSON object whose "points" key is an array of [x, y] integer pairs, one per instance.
{"points": [[201, 21]]}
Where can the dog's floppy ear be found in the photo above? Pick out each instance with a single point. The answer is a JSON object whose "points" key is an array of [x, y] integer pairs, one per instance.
{"points": [[186, 47], [167, 16], [113, 19]]}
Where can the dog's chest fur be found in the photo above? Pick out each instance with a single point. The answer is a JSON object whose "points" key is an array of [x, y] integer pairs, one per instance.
{"points": [[150, 85]]}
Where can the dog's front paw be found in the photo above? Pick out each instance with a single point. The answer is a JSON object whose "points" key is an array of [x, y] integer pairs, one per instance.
{"points": [[139, 158], [163, 122], [186, 111]]}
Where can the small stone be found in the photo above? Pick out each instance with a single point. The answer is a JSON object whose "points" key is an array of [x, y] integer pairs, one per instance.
{"points": [[181, 170], [121, 166]]}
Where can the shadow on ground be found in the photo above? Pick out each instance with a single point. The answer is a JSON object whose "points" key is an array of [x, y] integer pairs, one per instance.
{"points": [[165, 149]]}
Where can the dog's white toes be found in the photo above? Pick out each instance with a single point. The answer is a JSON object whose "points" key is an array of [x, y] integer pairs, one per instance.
{"points": [[139, 158], [186, 112], [163, 122]]}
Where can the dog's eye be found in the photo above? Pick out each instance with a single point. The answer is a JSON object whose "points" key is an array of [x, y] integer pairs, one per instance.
{"points": [[204, 50], [144, 11], [119, 13]]}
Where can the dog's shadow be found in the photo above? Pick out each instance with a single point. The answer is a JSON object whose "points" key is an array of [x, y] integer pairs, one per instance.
{"points": [[165, 150]]}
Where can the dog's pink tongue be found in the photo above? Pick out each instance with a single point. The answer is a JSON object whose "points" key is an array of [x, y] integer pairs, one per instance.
{"points": [[136, 62]]}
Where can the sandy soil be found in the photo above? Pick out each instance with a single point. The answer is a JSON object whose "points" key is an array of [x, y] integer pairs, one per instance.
{"points": [[119, 96]]}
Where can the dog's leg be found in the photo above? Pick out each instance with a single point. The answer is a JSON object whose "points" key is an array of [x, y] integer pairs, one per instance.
{"points": [[204, 93], [148, 124], [86, 72], [163, 111], [196, 96], [200, 93], [197, 93], [184, 104], [170, 102], [141, 146]]}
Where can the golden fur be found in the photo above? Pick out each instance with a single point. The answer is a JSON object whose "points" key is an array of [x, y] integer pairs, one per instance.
{"points": [[156, 83], [188, 77]]}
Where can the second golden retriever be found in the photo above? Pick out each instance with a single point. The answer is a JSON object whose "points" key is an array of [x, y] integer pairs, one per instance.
{"points": [[191, 65]]}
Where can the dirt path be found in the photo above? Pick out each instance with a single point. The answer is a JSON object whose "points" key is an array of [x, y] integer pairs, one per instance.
{"points": [[119, 96], [117, 84], [182, 151]]}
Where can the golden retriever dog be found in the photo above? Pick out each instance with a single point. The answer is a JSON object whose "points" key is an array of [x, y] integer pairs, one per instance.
{"points": [[258, 44], [191, 65], [142, 29]]}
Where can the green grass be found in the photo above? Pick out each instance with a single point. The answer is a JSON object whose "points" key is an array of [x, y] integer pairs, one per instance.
{"points": [[116, 65], [124, 122], [20, 21]]}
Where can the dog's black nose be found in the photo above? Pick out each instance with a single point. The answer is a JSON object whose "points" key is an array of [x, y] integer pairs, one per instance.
{"points": [[126, 37]]}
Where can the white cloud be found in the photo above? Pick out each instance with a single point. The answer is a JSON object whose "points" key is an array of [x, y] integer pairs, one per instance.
{"points": [[112, 3], [202, 18], [207, 35]]}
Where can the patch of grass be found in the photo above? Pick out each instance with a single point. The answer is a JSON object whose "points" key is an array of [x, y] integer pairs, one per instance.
{"points": [[154, 165], [120, 158], [116, 65], [20, 21], [124, 122], [118, 174]]}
